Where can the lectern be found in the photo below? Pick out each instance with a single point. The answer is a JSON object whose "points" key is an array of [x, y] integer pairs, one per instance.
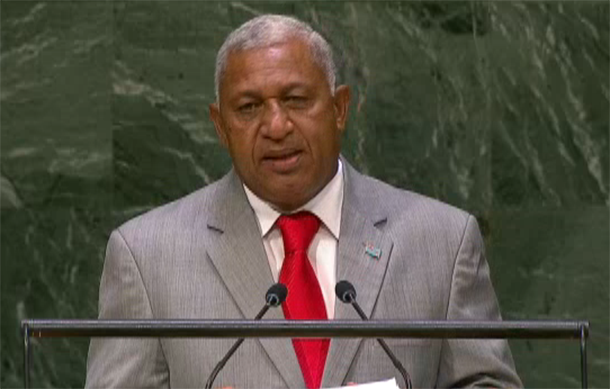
{"points": [[302, 329]]}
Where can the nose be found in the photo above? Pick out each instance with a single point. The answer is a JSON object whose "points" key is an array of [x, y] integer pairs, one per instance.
{"points": [[276, 123]]}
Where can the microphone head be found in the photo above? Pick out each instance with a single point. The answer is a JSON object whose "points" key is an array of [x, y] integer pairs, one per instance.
{"points": [[345, 291], [276, 294]]}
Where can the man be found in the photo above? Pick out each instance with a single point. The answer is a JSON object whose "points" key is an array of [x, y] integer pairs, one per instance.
{"points": [[214, 253]]}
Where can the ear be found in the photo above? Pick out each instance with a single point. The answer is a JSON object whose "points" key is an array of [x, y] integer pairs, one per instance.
{"points": [[341, 102], [218, 124]]}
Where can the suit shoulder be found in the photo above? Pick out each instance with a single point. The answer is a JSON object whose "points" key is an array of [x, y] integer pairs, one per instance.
{"points": [[178, 214], [403, 205], [400, 198]]}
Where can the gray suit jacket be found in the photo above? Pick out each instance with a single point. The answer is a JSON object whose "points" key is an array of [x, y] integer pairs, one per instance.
{"points": [[202, 257]]}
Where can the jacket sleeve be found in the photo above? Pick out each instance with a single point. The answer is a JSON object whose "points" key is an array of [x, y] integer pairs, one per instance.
{"points": [[124, 362], [468, 362]]}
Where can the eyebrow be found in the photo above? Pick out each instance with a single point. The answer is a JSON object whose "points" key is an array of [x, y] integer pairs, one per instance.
{"points": [[252, 93], [293, 86]]}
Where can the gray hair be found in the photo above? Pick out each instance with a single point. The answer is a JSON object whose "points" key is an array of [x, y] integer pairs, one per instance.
{"points": [[268, 30]]}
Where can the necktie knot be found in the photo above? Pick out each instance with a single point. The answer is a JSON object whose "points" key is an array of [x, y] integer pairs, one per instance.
{"points": [[298, 230]]}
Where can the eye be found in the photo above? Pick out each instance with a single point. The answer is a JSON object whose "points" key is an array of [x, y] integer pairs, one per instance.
{"points": [[296, 101], [248, 108]]}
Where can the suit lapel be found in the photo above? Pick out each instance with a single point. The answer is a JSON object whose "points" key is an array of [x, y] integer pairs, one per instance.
{"points": [[240, 259], [362, 259]]}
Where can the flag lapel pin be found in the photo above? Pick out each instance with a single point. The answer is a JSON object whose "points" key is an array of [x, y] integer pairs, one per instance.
{"points": [[372, 251]]}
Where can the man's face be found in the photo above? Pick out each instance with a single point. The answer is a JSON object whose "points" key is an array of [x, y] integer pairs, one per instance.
{"points": [[280, 122]]}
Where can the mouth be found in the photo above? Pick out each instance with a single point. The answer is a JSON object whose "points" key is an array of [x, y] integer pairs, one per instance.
{"points": [[282, 161]]}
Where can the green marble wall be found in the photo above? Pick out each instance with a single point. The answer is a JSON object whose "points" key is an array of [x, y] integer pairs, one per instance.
{"points": [[501, 108]]}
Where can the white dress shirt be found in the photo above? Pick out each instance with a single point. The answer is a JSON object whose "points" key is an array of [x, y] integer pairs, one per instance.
{"points": [[322, 252]]}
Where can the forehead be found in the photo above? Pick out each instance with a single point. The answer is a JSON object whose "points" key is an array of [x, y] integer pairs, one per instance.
{"points": [[287, 62]]}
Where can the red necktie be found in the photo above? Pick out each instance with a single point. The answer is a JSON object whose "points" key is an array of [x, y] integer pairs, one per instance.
{"points": [[305, 300]]}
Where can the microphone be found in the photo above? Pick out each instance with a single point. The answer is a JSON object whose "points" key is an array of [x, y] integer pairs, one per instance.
{"points": [[275, 296], [346, 292]]}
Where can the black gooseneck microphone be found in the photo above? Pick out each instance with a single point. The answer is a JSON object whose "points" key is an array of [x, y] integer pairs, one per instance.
{"points": [[275, 296], [347, 293]]}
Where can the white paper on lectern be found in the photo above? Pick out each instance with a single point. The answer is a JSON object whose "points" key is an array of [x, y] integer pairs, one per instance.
{"points": [[389, 384]]}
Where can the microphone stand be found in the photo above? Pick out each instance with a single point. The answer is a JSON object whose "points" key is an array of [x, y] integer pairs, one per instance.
{"points": [[275, 296], [348, 295], [229, 354]]}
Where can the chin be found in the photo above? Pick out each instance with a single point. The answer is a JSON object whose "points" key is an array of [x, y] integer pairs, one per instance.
{"points": [[288, 206], [288, 200]]}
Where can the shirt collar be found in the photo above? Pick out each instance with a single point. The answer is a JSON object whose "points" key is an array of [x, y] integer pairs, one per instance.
{"points": [[326, 205]]}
